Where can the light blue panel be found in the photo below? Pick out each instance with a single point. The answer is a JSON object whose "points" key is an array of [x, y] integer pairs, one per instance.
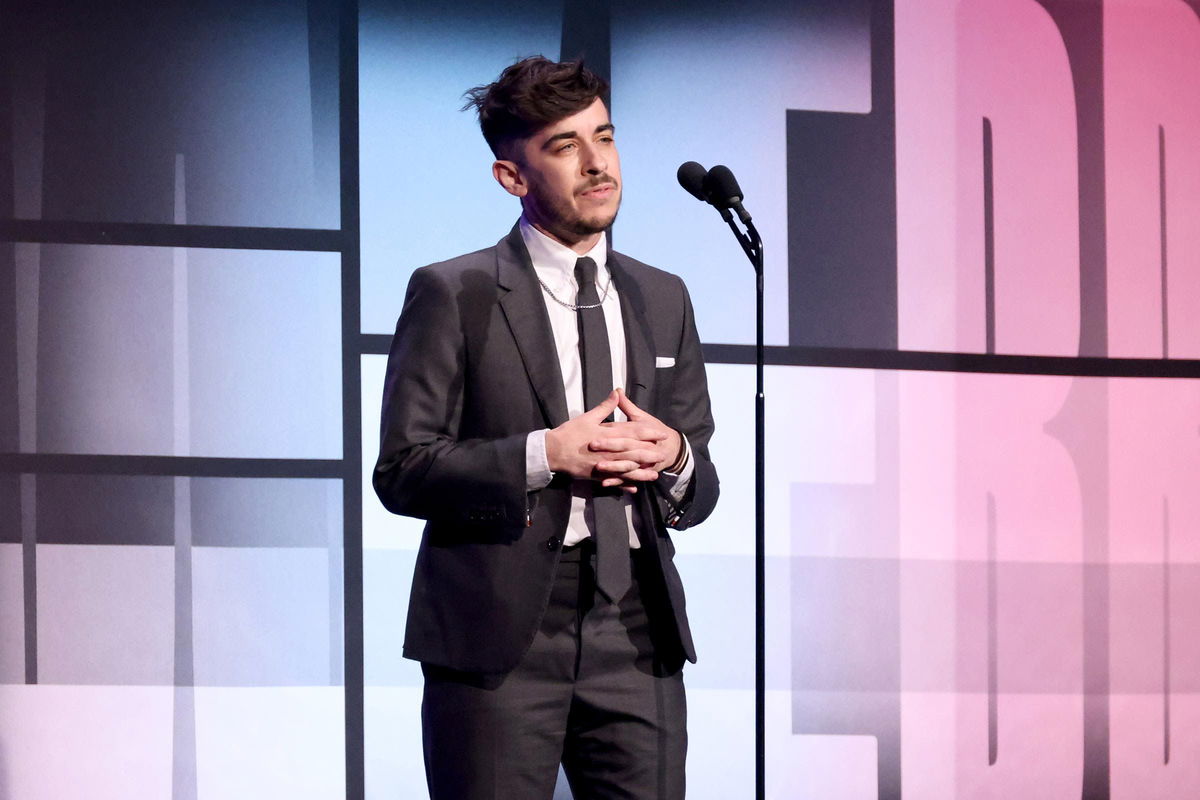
{"points": [[12, 615], [711, 82], [720, 761], [380, 527], [392, 745], [264, 331], [106, 614], [278, 742], [261, 617], [426, 185], [387, 576], [730, 528], [720, 596]]}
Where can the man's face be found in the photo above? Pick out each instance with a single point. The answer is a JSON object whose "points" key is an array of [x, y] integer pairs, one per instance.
{"points": [[569, 176]]}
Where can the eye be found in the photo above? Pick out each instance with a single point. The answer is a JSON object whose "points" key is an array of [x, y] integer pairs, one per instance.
{"points": [[566, 147]]}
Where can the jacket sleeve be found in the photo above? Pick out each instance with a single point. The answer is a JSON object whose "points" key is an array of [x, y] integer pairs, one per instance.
{"points": [[424, 469], [689, 410]]}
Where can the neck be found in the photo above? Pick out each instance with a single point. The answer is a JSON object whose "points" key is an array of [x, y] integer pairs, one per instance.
{"points": [[580, 246]]}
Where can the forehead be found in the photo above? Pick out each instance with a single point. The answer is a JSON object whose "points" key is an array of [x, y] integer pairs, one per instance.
{"points": [[582, 122]]}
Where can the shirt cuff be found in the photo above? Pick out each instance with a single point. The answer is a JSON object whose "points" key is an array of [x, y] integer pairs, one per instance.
{"points": [[676, 483], [537, 465]]}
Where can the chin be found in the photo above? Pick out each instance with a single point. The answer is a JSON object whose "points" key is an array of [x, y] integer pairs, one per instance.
{"points": [[597, 224]]}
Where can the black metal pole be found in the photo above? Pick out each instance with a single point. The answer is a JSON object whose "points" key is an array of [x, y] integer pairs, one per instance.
{"points": [[760, 540], [752, 245]]}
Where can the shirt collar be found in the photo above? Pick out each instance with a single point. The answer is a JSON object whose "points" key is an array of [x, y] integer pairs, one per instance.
{"points": [[547, 254]]}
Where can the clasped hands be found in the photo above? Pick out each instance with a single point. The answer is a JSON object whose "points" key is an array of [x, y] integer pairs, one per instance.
{"points": [[616, 454]]}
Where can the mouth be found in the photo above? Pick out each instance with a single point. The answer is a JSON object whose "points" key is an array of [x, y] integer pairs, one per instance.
{"points": [[601, 192]]}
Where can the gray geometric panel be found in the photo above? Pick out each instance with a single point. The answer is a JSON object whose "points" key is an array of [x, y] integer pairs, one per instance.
{"points": [[8, 339], [845, 624], [104, 373], [261, 617], [10, 508], [224, 353], [266, 512], [12, 615], [105, 509], [105, 615], [128, 88]]}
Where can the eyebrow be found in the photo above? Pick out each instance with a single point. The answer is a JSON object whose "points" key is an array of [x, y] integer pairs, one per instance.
{"points": [[608, 126]]}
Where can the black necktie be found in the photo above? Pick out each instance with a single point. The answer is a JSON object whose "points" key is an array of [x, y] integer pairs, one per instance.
{"points": [[611, 529]]}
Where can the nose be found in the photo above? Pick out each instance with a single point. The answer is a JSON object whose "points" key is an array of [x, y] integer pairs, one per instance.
{"points": [[594, 161]]}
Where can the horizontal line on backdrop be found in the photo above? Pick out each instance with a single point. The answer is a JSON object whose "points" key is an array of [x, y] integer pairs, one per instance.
{"points": [[147, 234], [187, 466], [921, 360]]}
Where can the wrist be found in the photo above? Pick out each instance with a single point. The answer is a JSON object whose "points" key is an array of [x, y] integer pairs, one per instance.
{"points": [[680, 457], [551, 441]]}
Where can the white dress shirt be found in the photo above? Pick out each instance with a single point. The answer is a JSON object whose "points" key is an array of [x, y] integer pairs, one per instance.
{"points": [[554, 264]]}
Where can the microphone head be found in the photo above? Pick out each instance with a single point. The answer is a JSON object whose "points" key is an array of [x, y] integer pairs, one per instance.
{"points": [[691, 177], [721, 188]]}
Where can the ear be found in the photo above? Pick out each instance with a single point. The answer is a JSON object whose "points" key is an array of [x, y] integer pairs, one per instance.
{"points": [[508, 175]]}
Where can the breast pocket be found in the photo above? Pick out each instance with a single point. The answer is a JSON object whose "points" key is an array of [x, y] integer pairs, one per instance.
{"points": [[664, 380]]}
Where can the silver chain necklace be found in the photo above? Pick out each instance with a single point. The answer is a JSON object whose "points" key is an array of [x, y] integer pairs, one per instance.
{"points": [[573, 306]]}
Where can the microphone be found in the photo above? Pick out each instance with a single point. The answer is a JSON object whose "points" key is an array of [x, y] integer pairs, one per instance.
{"points": [[723, 191], [694, 179], [720, 189], [691, 177]]}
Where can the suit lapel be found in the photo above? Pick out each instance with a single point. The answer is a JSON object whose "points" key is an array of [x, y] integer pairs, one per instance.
{"points": [[525, 311], [639, 340]]}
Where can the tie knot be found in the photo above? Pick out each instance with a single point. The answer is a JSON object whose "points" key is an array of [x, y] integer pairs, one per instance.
{"points": [[585, 272]]}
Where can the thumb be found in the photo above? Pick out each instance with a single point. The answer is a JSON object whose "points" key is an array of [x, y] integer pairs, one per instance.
{"points": [[629, 409], [606, 405]]}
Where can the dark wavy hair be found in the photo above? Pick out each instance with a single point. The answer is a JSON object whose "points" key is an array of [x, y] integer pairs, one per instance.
{"points": [[528, 96]]}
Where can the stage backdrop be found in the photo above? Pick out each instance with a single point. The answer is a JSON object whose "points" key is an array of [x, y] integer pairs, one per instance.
{"points": [[983, 270]]}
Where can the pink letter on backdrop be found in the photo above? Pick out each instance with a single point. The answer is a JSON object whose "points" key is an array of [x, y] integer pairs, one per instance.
{"points": [[1154, 648], [1020, 631], [1006, 61], [987, 491], [1151, 68]]}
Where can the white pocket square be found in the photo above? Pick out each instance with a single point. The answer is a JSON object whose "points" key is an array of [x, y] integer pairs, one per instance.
{"points": [[661, 362]]}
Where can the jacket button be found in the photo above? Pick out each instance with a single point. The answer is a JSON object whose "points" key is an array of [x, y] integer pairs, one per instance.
{"points": [[553, 542]]}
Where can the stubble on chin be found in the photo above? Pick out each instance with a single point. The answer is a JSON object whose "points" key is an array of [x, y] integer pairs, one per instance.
{"points": [[588, 226]]}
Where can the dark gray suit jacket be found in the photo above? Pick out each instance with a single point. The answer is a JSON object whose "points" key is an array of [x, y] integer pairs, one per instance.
{"points": [[472, 371]]}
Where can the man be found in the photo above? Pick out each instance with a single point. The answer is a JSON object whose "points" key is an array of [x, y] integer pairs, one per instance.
{"points": [[546, 411]]}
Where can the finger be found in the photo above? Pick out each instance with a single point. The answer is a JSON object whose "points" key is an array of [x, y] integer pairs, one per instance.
{"points": [[636, 473], [640, 474], [617, 445], [619, 483], [628, 407], [618, 467], [605, 406], [639, 458], [636, 430]]}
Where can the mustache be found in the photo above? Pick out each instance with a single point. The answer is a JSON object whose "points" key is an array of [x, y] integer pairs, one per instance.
{"points": [[599, 180]]}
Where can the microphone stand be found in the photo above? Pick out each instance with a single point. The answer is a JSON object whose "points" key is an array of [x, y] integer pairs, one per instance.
{"points": [[752, 244]]}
